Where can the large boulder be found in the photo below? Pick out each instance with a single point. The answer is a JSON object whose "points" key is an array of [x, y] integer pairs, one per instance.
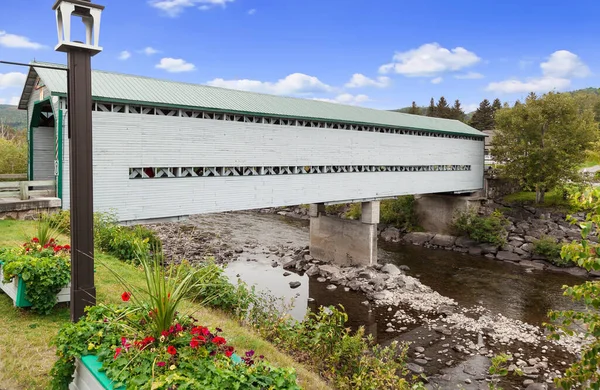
{"points": [[330, 271], [506, 255], [528, 247], [465, 242], [443, 240], [488, 248], [390, 234], [391, 269], [417, 238]]}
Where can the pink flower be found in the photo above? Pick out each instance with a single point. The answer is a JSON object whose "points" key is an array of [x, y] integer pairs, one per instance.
{"points": [[117, 352], [160, 364]]}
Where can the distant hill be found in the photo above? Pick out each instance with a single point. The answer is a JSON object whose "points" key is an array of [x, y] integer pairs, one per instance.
{"points": [[406, 110], [11, 116]]}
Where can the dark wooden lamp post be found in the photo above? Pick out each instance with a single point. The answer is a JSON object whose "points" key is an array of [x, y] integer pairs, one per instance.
{"points": [[83, 291]]}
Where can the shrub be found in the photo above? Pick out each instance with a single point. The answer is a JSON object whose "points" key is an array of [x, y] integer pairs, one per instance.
{"points": [[490, 229], [550, 248], [355, 211], [61, 221], [125, 242], [13, 156], [45, 270], [399, 212], [335, 209]]}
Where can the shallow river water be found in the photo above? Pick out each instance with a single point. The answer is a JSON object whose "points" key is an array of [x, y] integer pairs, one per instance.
{"points": [[511, 290]]}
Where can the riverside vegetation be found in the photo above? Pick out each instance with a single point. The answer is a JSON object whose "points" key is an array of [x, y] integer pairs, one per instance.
{"points": [[345, 359]]}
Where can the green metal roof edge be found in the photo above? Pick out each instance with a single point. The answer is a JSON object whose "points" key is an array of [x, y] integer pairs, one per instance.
{"points": [[262, 114]]}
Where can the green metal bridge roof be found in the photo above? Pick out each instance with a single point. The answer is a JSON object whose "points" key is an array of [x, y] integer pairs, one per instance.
{"points": [[124, 88]]}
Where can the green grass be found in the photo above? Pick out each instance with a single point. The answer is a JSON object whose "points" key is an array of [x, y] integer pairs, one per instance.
{"points": [[553, 199], [25, 354]]}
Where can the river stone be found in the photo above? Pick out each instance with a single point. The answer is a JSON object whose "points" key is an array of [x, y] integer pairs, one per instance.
{"points": [[488, 248], [536, 386], [367, 274], [331, 287], [576, 271], [421, 361], [383, 295], [443, 240], [475, 251], [527, 382], [354, 284], [531, 264], [415, 368], [287, 273], [420, 349], [506, 255], [528, 247], [515, 243], [391, 234], [313, 270], [530, 239], [330, 271], [391, 269], [465, 242], [418, 238], [295, 284]]}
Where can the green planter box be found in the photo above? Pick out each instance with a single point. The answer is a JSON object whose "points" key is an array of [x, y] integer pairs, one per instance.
{"points": [[16, 290]]}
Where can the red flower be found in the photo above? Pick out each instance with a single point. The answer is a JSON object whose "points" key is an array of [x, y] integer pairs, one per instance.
{"points": [[201, 339], [171, 350], [117, 352], [178, 327], [194, 343], [200, 330], [35, 239], [164, 333], [229, 351], [219, 340], [67, 247], [160, 364], [125, 296], [57, 248], [46, 246]]}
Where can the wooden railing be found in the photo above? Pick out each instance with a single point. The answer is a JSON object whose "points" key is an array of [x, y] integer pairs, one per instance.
{"points": [[14, 176], [21, 189]]}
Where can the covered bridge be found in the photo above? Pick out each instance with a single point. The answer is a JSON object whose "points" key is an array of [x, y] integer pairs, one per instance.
{"points": [[166, 149]]}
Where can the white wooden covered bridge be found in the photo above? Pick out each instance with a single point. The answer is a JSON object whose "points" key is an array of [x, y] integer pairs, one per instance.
{"points": [[164, 149]]}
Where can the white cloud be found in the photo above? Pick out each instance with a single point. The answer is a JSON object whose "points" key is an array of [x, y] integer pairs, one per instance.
{"points": [[564, 64], [557, 72], [437, 80], [173, 8], [541, 84], [295, 83], [469, 76], [252, 11], [429, 60], [359, 80], [346, 98], [175, 65], [12, 79], [149, 50], [124, 55], [18, 42]]}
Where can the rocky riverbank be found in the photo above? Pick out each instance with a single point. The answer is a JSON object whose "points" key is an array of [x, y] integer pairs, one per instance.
{"points": [[450, 344]]}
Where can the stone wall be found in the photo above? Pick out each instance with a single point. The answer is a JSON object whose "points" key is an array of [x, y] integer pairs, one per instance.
{"points": [[495, 187], [436, 212]]}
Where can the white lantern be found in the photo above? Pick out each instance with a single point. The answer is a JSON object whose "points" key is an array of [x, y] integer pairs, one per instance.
{"points": [[90, 15]]}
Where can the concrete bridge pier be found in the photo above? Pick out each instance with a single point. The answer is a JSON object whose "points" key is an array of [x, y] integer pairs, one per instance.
{"points": [[342, 241]]}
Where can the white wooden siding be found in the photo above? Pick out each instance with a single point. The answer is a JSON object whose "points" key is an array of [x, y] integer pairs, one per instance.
{"points": [[123, 141], [43, 153]]}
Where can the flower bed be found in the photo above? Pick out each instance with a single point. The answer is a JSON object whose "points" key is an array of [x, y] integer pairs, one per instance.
{"points": [[36, 275]]}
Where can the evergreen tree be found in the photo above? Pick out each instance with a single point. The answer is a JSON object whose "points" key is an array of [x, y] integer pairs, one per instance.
{"points": [[517, 103], [431, 108], [497, 104], [442, 110], [414, 109], [483, 118], [457, 111], [531, 96]]}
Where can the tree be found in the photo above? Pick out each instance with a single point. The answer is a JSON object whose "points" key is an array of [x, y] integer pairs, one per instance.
{"points": [[584, 373], [457, 111], [497, 104], [541, 143], [431, 108], [442, 110], [483, 117], [414, 109]]}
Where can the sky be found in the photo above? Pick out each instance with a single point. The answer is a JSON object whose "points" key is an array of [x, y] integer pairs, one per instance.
{"points": [[381, 54]]}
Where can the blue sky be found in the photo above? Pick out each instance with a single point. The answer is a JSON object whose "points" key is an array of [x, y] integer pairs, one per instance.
{"points": [[381, 54]]}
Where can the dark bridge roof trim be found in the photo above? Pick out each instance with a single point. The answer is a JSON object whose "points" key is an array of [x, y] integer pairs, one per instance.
{"points": [[130, 89]]}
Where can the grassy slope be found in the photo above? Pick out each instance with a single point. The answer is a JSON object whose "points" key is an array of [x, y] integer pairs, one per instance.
{"points": [[25, 354]]}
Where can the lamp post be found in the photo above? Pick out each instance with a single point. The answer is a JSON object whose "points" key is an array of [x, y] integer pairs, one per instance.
{"points": [[79, 79]]}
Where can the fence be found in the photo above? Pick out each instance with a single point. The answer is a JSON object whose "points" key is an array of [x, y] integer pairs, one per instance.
{"points": [[26, 189]]}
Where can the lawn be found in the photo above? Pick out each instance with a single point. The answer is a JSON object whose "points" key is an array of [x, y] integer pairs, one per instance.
{"points": [[25, 354], [553, 199]]}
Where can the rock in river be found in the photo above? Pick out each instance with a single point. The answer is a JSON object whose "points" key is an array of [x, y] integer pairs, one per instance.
{"points": [[295, 284]]}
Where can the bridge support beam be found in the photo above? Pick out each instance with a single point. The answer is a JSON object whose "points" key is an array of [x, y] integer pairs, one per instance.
{"points": [[343, 241], [436, 212]]}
